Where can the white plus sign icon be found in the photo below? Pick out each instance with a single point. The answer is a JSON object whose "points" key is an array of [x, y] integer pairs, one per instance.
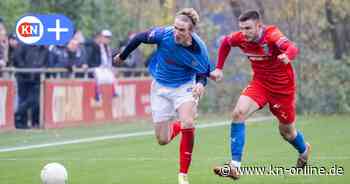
{"points": [[58, 29]]}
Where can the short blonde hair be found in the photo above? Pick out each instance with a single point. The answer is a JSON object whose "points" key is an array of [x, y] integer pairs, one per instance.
{"points": [[190, 13]]}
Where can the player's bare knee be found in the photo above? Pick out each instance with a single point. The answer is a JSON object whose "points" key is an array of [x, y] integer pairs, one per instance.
{"points": [[238, 114], [162, 141], [187, 123]]}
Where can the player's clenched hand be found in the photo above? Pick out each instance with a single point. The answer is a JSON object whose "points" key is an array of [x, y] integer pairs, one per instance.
{"points": [[217, 75], [198, 90], [284, 58], [117, 59]]}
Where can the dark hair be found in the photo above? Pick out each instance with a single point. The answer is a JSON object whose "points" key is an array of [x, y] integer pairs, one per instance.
{"points": [[12, 35], [249, 15]]}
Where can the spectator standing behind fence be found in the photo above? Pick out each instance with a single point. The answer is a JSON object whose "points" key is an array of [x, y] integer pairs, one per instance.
{"points": [[70, 56], [93, 51], [29, 56], [78, 55], [79, 37], [13, 49], [98, 50]]}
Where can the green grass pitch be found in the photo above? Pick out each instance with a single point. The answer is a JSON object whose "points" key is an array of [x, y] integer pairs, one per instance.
{"points": [[137, 160]]}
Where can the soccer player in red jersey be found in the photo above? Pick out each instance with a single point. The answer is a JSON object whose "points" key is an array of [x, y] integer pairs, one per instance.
{"points": [[273, 82]]}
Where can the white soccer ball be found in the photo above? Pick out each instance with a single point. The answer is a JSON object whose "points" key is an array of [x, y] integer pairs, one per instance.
{"points": [[54, 173]]}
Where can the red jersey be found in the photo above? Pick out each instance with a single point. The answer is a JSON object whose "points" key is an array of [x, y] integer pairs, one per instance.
{"points": [[268, 70]]}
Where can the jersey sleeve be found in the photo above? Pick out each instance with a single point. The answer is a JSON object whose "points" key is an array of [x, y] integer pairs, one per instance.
{"points": [[152, 36], [227, 42], [155, 35], [283, 43], [234, 39]]}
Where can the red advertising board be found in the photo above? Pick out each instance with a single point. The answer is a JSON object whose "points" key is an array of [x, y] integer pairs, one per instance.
{"points": [[7, 92], [70, 102]]}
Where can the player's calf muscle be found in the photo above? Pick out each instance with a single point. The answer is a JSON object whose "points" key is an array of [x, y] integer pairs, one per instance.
{"points": [[288, 132]]}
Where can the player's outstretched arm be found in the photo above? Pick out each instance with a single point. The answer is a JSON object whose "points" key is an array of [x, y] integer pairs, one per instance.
{"points": [[224, 50], [142, 37], [217, 75]]}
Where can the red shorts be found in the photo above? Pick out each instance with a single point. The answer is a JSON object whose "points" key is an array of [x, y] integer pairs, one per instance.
{"points": [[281, 105]]}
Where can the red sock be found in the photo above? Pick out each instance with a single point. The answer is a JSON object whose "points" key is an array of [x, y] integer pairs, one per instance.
{"points": [[186, 147], [175, 129]]}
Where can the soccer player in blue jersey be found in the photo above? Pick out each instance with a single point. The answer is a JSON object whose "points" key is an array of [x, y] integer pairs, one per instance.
{"points": [[180, 67]]}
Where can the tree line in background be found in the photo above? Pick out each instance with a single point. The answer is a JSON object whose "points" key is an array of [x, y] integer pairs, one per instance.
{"points": [[321, 30]]}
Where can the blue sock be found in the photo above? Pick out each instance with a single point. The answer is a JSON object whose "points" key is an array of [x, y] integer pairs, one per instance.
{"points": [[237, 140], [299, 143]]}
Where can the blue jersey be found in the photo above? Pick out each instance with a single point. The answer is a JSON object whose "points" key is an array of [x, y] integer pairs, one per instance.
{"points": [[172, 64]]}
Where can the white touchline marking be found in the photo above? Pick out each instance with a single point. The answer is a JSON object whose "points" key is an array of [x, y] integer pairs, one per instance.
{"points": [[316, 159], [117, 136]]}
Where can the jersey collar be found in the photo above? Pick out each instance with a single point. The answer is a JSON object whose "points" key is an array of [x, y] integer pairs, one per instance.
{"points": [[261, 33]]}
